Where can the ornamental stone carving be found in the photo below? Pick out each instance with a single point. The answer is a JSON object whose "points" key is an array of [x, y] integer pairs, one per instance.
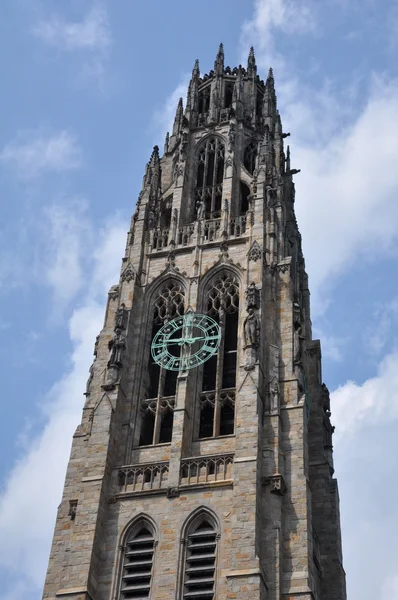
{"points": [[255, 252], [128, 274]]}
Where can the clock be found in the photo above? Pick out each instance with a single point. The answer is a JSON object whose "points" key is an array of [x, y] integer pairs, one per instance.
{"points": [[186, 342]]}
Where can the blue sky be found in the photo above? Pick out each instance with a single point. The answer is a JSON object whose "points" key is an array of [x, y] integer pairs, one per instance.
{"points": [[87, 89]]}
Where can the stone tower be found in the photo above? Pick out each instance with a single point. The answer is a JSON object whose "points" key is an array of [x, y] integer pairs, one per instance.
{"points": [[214, 481]]}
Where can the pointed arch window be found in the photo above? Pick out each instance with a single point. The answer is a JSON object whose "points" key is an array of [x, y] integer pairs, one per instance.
{"points": [[200, 560], [249, 157], [210, 176], [137, 563], [217, 399], [157, 408]]}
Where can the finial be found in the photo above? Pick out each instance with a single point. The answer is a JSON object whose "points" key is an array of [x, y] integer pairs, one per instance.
{"points": [[166, 143], [219, 62], [196, 70], [154, 156], [178, 118], [251, 63]]}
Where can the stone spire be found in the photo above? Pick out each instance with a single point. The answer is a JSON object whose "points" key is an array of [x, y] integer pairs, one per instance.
{"points": [[251, 64], [196, 70], [269, 104], [178, 118], [219, 62]]}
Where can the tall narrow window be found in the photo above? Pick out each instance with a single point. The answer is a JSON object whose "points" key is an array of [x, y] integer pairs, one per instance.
{"points": [[217, 399], [210, 176], [137, 564], [204, 100], [158, 405], [244, 198], [249, 157], [200, 562]]}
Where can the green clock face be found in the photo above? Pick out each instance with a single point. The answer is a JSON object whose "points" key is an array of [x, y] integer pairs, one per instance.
{"points": [[186, 342]]}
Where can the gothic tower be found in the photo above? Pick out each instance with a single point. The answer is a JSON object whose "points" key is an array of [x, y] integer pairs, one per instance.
{"points": [[202, 467]]}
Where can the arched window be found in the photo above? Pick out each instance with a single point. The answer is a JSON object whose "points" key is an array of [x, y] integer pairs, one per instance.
{"points": [[158, 405], [200, 560], [138, 551], [210, 176], [204, 100], [244, 198], [166, 212], [217, 399], [249, 157]]}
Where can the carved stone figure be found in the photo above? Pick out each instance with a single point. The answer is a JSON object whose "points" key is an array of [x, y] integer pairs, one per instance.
{"points": [[117, 346], [151, 218], [231, 137], [274, 396], [200, 210], [252, 296], [121, 317], [251, 329], [96, 346], [328, 429]]}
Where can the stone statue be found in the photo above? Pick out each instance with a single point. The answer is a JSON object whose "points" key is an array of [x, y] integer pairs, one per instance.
{"points": [[274, 396], [231, 137], [91, 370], [96, 346], [328, 429], [251, 329], [151, 218], [117, 346], [252, 296], [120, 317], [200, 210]]}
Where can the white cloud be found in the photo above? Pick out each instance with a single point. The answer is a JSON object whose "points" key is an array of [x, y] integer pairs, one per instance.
{"points": [[35, 152], [374, 401], [390, 588], [92, 33], [346, 148], [41, 469], [68, 235], [271, 17]]}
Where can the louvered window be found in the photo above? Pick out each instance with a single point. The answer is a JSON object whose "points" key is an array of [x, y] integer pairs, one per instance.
{"points": [[137, 566], [200, 563]]}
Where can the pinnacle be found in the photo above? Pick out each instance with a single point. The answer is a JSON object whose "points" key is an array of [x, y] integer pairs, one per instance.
{"points": [[219, 62], [196, 70]]}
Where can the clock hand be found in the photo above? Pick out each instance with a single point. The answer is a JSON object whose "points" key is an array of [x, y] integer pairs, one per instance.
{"points": [[183, 339]]}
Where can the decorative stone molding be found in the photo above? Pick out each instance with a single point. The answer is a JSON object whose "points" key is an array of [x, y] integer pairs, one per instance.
{"points": [[206, 469], [277, 484], [128, 274], [172, 492], [255, 252], [143, 478]]}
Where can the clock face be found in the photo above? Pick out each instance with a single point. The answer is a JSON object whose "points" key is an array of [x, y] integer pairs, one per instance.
{"points": [[186, 342]]}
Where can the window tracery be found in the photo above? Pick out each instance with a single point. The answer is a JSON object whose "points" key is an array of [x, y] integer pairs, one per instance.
{"points": [[217, 399], [210, 173], [250, 156], [157, 408]]}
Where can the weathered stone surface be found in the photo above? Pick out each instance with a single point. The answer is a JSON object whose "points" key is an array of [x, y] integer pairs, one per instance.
{"points": [[269, 485]]}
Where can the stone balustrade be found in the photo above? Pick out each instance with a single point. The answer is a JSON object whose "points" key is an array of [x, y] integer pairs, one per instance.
{"points": [[206, 469], [141, 478]]}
